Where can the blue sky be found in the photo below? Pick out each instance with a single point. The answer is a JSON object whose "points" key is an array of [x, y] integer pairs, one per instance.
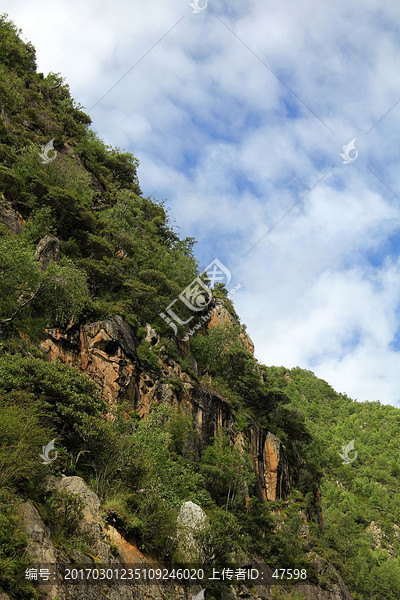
{"points": [[238, 114]]}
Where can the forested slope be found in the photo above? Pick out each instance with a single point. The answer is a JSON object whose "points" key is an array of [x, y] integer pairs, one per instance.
{"points": [[361, 499]]}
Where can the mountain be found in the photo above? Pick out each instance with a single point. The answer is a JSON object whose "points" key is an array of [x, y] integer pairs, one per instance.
{"points": [[137, 430]]}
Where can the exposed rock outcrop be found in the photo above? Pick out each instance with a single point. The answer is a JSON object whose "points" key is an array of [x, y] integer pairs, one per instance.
{"points": [[191, 520], [47, 251], [10, 217], [270, 464], [76, 485], [151, 335], [40, 545], [105, 351], [335, 590]]}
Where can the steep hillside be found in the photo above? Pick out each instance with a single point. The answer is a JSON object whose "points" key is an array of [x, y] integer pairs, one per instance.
{"points": [[130, 435], [360, 490]]}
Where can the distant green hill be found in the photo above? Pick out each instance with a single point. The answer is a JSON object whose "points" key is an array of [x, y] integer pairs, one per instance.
{"points": [[361, 499]]}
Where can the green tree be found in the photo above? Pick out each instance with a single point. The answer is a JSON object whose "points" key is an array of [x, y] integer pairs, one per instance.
{"points": [[227, 470], [21, 439], [54, 297]]}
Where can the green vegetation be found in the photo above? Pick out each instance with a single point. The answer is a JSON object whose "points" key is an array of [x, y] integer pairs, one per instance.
{"points": [[13, 542], [228, 471], [89, 198], [235, 374], [361, 499], [120, 255]]}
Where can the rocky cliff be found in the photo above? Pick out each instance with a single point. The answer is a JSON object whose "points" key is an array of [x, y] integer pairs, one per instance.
{"points": [[106, 352]]}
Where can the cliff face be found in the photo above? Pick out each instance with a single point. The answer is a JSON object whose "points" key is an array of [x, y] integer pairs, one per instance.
{"points": [[270, 464], [106, 352]]}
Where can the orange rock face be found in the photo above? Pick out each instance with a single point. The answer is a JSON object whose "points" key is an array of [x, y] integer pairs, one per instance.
{"points": [[96, 353], [270, 465], [271, 457]]}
